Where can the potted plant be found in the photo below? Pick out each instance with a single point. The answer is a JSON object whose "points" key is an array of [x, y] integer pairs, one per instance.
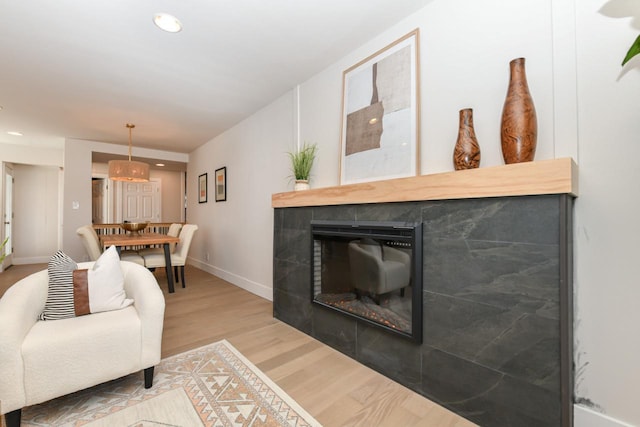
{"points": [[2, 253], [301, 163], [633, 51]]}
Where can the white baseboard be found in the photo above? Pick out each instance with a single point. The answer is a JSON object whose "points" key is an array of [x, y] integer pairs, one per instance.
{"points": [[241, 282], [585, 417]]}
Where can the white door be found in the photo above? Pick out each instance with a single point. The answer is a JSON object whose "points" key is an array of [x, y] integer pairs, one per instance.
{"points": [[141, 201], [8, 216]]}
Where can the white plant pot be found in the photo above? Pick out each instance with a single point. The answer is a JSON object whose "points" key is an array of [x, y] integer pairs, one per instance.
{"points": [[301, 184]]}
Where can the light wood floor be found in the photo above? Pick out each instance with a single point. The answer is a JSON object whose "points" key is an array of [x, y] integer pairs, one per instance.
{"points": [[333, 388]]}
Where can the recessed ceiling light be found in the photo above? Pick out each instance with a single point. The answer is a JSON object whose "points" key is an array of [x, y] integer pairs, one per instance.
{"points": [[167, 22], [159, 164], [14, 133]]}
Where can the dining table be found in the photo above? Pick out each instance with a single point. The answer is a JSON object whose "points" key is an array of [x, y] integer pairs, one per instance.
{"points": [[144, 239]]}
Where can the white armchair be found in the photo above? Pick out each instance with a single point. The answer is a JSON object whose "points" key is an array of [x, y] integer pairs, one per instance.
{"points": [[42, 360], [378, 269]]}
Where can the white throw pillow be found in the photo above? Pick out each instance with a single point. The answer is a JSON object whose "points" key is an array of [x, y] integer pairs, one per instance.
{"points": [[74, 292], [106, 283]]}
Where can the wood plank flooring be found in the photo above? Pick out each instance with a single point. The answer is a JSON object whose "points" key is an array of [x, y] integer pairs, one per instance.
{"points": [[332, 387]]}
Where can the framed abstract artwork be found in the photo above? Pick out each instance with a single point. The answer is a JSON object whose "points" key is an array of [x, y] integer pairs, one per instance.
{"points": [[221, 184], [380, 135], [202, 188]]}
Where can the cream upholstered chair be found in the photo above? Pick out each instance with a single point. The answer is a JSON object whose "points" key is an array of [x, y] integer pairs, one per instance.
{"points": [[44, 359], [378, 269], [174, 231], [179, 256], [91, 244], [90, 241]]}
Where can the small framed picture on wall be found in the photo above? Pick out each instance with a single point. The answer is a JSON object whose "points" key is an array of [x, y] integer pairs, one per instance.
{"points": [[202, 188], [221, 184]]}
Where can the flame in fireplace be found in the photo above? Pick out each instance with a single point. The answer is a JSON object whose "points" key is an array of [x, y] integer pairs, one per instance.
{"points": [[367, 308]]}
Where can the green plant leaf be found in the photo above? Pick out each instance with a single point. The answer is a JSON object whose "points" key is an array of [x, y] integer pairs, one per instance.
{"points": [[2, 254], [302, 160], [633, 51]]}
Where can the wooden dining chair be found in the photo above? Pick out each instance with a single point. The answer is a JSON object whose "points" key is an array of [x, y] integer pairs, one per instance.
{"points": [[178, 257]]}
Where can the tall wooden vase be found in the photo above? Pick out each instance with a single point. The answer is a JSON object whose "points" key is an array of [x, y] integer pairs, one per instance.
{"points": [[466, 154], [519, 127]]}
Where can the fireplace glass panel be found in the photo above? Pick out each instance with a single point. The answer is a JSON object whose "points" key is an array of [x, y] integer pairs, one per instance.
{"points": [[371, 271]]}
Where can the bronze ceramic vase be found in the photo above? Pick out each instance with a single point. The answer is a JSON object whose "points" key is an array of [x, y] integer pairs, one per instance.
{"points": [[519, 127], [466, 154]]}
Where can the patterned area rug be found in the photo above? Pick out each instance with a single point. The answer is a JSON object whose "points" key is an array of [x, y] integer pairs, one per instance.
{"points": [[213, 385]]}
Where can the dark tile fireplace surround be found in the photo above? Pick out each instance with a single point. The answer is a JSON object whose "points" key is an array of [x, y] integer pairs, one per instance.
{"points": [[497, 304]]}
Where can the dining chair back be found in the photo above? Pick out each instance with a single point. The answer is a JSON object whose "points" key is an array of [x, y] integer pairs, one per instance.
{"points": [[182, 248], [178, 257], [174, 231], [90, 241]]}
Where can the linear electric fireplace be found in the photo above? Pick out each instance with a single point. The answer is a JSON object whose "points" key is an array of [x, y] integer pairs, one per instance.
{"points": [[371, 271]]}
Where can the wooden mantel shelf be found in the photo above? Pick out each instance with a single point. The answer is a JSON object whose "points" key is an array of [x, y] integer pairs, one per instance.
{"points": [[558, 176]]}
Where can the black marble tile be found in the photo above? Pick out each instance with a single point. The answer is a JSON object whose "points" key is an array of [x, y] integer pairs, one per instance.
{"points": [[334, 329], [293, 278], [450, 379], [392, 355], [531, 219], [485, 396], [335, 213], [522, 345], [522, 277], [292, 236], [292, 310], [397, 212]]}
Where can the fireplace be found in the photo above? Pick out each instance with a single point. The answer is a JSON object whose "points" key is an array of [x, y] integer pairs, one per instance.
{"points": [[496, 288], [371, 271]]}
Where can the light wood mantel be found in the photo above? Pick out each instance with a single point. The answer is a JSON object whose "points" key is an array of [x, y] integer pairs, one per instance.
{"points": [[558, 176]]}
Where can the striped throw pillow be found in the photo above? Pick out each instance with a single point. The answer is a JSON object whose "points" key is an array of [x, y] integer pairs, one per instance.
{"points": [[59, 303], [74, 292]]}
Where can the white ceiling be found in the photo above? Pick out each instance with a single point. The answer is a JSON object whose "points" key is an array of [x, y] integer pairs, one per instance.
{"points": [[84, 68]]}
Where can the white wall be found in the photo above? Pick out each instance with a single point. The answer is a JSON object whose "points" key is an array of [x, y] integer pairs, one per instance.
{"points": [[43, 161], [584, 110], [30, 155], [237, 234], [172, 205], [606, 213], [464, 64]]}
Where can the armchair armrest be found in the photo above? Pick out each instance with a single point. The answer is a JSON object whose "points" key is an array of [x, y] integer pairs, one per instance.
{"points": [[148, 301], [20, 307], [394, 254]]}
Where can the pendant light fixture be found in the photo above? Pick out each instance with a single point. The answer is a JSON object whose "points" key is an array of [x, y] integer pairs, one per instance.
{"points": [[128, 170]]}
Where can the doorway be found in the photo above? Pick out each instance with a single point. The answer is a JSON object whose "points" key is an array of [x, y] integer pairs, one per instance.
{"points": [[99, 201], [8, 203]]}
